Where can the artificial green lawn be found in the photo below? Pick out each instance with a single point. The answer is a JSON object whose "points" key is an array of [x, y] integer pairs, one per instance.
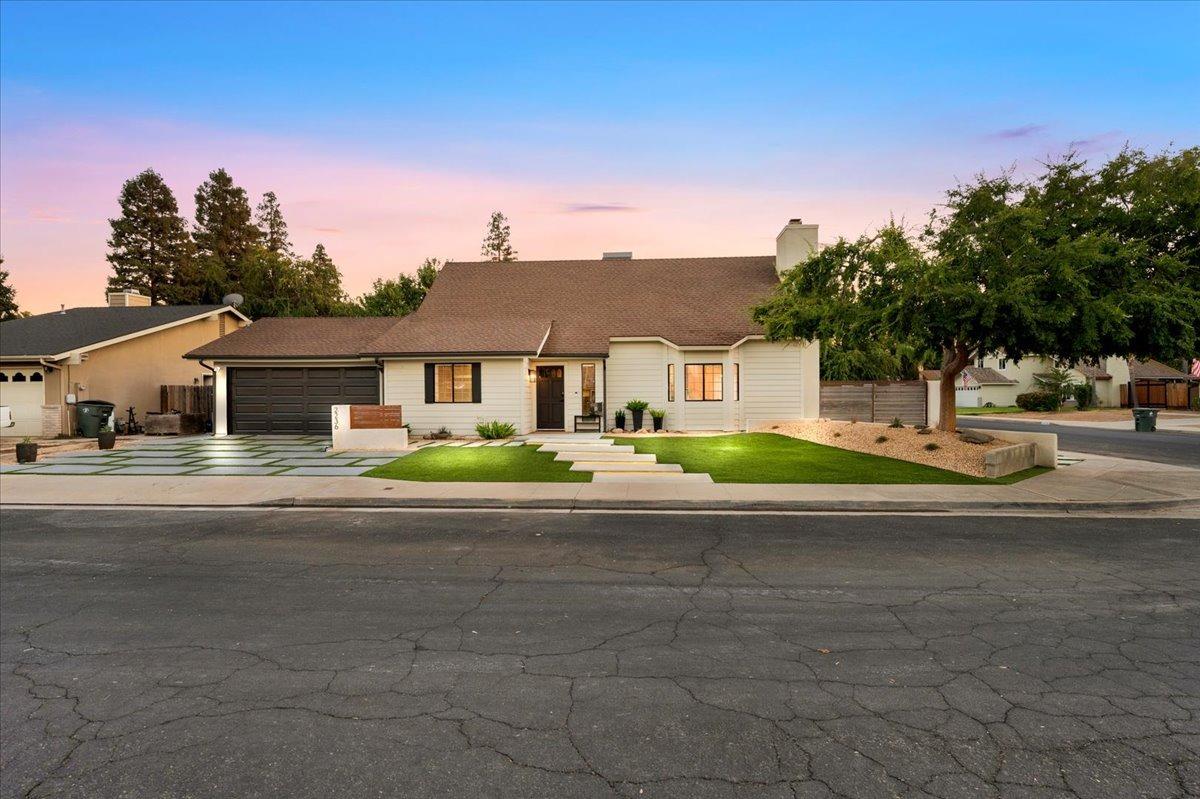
{"points": [[987, 411], [481, 465], [772, 458]]}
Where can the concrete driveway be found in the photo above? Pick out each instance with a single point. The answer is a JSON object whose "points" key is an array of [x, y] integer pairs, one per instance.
{"points": [[204, 455], [518, 654]]}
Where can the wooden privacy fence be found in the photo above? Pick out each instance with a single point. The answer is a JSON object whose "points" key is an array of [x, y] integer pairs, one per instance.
{"points": [[874, 401], [1176, 394], [187, 399]]}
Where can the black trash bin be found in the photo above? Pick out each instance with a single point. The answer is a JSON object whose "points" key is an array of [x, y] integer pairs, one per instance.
{"points": [[1145, 420], [91, 416]]}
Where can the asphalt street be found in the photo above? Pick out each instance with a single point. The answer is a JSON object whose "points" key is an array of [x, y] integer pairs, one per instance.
{"points": [[424, 654], [1161, 446]]}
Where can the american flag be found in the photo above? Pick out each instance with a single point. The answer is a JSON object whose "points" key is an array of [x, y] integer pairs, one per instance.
{"points": [[1196, 368]]}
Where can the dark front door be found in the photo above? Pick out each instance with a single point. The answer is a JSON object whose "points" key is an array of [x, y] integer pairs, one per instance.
{"points": [[550, 398], [296, 399]]}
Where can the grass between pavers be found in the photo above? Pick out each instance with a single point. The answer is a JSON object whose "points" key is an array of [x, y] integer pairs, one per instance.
{"points": [[480, 465], [988, 411], [772, 458]]}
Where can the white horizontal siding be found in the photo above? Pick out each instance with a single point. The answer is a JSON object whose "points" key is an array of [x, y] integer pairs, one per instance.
{"points": [[773, 381], [503, 395], [638, 370]]}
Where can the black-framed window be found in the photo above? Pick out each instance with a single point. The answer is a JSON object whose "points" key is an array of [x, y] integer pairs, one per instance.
{"points": [[670, 382], [452, 382], [703, 382]]}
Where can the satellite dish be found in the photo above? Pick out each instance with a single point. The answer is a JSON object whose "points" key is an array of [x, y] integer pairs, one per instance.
{"points": [[233, 299]]}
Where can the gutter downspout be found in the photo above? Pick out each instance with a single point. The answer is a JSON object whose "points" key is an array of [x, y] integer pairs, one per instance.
{"points": [[64, 416], [212, 419], [379, 366]]}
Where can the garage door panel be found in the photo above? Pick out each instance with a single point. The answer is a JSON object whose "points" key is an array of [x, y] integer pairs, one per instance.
{"points": [[294, 399]]}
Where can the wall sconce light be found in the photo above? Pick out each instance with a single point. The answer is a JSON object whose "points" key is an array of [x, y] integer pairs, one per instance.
{"points": [[531, 375]]}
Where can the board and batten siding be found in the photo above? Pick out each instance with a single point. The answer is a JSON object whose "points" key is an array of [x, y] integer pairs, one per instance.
{"points": [[503, 395], [775, 377]]}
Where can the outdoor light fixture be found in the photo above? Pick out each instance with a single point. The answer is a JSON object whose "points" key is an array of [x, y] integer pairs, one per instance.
{"points": [[531, 375]]}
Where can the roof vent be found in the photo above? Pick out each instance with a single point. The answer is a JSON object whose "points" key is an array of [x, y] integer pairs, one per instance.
{"points": [[618, 256]]}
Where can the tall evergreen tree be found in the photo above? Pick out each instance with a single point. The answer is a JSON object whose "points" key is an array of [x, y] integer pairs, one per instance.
{"points": [[271, 226], [497, 243], [224, 234], [8, 297], [322, 293], [149, 248]]}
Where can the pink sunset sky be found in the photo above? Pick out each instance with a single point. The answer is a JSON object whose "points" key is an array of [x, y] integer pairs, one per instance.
{"points": [[646, 128]]}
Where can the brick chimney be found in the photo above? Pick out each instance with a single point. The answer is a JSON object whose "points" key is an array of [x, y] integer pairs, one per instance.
{"points": [[129, 298], [795, 243]]}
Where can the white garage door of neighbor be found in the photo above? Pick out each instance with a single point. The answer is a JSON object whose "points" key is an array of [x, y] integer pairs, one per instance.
{"points": [[24, 392]]}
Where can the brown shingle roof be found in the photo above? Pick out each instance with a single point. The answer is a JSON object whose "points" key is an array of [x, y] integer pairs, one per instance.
{"points": [[297, 337], [1154, 370], [1092, 372], [986, 375], [484, 306]]}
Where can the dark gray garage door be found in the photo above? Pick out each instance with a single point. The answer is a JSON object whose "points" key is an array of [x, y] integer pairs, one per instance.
{"points": [[296, 400]]}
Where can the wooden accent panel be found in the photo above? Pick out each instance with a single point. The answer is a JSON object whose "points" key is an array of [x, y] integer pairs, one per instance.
{"points": [[375, 417], [186, 399]]}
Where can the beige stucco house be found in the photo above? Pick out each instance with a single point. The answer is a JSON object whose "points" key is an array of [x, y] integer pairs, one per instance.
{"points": [[1107, 377], [122, 353], [543, 345]]}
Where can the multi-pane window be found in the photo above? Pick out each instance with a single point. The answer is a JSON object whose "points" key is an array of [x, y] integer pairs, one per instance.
{"points": [[452, 382], [670, 382], [587, 383], [702, 382], [1003, 363]]}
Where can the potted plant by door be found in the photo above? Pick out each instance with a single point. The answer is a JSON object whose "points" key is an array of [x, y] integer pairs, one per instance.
{"points": [[106, 439], [637, 408], [27, 450], [619, 420], [658, 414]]}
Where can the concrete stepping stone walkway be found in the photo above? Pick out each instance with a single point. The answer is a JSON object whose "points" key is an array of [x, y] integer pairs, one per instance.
{"points": [[610, 462]]}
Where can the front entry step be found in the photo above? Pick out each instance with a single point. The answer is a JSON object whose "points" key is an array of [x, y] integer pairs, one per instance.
{"points": [[605, 455], [612, 466], [651, 477], [584, 447]]}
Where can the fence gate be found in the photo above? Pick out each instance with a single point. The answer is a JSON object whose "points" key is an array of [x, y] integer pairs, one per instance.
{"points": [[874, 401]]}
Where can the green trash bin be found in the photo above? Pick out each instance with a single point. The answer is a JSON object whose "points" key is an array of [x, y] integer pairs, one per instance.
{"points": [[1145, 420], [91, 416]]}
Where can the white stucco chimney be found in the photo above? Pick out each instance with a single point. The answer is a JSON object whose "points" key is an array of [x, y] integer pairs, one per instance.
{"points": [[794, 244], [129, 298]]}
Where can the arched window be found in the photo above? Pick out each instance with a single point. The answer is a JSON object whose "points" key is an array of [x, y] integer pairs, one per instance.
{"points": [[3, 377], [36, 377], [19, 377]]}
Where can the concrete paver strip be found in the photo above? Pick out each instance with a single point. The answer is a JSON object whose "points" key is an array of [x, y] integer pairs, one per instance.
{"points": [[331, 471], [237, 470], [138, 469], [71, 468]]}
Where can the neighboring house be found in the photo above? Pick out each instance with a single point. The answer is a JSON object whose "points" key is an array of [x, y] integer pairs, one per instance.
{"points": [[980, 386], [1158, 385], [536, 344], [122, 353]]}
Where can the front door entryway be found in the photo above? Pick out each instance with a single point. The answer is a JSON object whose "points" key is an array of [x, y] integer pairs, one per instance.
{"points": [[550, 411]]}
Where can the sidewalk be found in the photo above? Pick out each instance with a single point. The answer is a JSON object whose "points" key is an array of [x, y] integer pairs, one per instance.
{"points": [[1095, 484]]}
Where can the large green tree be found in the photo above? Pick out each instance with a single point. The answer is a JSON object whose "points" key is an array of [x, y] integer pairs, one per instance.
{"points": [[403, 295], [224, 234], [149, 248], [1074, 265], [8, 296], [497, 242], [271, 226]]}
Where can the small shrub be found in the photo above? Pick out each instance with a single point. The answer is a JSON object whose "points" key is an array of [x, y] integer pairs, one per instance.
{"points": [[441, 432], [837, 435], [1085, 396], [619, 419], [880, 439], [989, 405], [896, 422], [1038, 401], [495, 429], [931, 446], [637, 405], [658, 413]]}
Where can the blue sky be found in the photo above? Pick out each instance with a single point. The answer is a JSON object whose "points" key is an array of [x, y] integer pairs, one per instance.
{"points": [[847, 113]]}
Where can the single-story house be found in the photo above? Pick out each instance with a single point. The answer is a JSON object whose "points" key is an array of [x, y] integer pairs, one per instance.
{"points": [[122, 353], [1161, 386], [539, 344], [980, 386]]}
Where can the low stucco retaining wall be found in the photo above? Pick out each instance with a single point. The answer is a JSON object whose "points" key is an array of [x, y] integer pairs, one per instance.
{"points": [[1007, 460], [1045, 444]]}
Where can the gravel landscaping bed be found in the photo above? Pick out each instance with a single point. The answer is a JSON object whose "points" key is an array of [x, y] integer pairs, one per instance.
{"points": [[903, 443]]}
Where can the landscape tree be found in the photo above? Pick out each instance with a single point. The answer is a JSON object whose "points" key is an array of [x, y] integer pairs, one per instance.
{"points": [[149, 248], [224, 234], [497, 243], [403, 295], [271, 226], [8, 297], [1072, 266]]}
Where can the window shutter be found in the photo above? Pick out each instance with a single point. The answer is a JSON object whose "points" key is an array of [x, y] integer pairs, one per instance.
{"points": [[476, 383], [429, 396]]}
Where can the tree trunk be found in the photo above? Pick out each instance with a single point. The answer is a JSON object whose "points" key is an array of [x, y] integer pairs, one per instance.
{"points": [[954, 360]]}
